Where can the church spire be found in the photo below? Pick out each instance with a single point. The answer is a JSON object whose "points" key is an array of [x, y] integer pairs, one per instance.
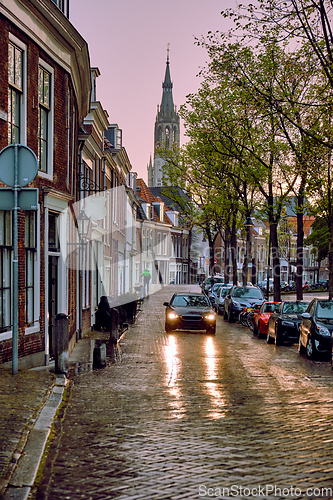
{"points": [[167, 99]]}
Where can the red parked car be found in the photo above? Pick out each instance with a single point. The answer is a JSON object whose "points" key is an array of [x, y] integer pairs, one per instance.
{"points": [[261, 317]]}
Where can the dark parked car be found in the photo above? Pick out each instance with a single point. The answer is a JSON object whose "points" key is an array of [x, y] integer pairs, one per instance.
{"points": [[240, 297], [316, 328], [189, 311], [209, 282], [284, 323]]}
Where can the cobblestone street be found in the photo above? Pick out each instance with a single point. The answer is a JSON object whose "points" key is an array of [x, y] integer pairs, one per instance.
{"points": [[190, 415]]}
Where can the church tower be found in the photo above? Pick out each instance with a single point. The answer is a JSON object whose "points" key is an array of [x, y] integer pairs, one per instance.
{"points": [[167, 129]]}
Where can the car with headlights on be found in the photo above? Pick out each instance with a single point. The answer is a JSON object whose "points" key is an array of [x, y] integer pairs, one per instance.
{"points": [[316, 328], [283, 324], [240, 297], [189, 311]]}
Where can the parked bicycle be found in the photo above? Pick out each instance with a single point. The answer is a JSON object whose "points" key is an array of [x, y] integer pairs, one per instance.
{"points": [[246, 317]]}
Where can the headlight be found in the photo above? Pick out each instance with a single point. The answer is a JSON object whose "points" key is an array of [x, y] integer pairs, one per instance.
{"points": [[287, 323], [235, 303], [173, 316], [322, 330], [210, 317]]}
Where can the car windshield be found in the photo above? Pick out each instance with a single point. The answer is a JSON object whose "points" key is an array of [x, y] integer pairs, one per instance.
{"points": [[224, 292], [325, 309], [245, 292], [190, 300], [216, 287], [294, 307], [269, 308]]}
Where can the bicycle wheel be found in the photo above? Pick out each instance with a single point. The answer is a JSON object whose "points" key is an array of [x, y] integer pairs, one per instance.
{"points": [[250, 321]]}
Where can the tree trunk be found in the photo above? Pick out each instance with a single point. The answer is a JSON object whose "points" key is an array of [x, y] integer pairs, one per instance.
{"points": [[300, 240], [227, 236], [233, 251], [275, 262], [330, 261]]}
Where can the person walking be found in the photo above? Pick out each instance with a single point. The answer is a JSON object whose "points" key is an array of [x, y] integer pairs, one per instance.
{"points": [[146, 279]]}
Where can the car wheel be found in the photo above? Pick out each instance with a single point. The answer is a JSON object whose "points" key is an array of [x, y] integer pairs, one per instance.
{"points": [[310, 349], [301, 348], [277, 336], [168, 328], [211, 330], [269, 338]]}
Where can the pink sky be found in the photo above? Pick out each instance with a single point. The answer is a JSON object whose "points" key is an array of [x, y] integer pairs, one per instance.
{"points": [[127, 41]]}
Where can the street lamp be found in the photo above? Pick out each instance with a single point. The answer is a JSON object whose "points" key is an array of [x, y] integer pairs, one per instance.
{"points": [[83, 225], [249, 224]]}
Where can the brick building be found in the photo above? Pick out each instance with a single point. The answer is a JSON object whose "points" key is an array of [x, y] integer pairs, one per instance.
{"points": [[45, 94]]}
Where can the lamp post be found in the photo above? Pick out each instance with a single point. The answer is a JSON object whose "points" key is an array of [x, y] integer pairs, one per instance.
{"points": [[83, 225], [248, 225]]}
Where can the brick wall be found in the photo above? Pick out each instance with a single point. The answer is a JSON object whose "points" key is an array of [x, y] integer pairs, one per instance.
{"points": [[62, 182]]}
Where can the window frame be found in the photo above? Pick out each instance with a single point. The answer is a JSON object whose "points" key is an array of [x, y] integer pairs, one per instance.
{"points": [[22, 91], [6, 252], [48, 174], [32, 251]]}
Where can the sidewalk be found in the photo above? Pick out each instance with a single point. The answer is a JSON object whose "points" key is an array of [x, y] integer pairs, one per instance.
{"points": [[29, 401]]}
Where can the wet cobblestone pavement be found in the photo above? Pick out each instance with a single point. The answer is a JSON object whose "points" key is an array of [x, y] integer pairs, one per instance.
{"points": [[190, 415]]}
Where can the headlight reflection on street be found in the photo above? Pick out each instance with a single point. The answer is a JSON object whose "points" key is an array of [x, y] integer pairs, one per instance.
{"points": [[212, 387], [172, 364]]}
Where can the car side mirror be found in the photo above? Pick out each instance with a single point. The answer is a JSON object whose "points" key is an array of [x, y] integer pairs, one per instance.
{"points": [[306, 316], [166, 304]]}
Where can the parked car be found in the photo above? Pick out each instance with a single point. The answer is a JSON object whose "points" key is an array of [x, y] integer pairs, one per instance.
{"points": [[220, 296], [240, 297], [189, 311], [284, 323], [316, 328], [213, 292], [261, 317], [208, 283]]}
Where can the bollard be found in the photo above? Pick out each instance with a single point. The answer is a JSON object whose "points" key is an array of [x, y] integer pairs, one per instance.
{"points": [[114, 325], [60, 343]]}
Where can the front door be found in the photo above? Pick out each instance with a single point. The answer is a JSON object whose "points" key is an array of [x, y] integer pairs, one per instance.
{"points": [[53, 299]]}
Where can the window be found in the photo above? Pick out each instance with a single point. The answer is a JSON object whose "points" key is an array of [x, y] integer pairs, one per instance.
{"points": [[164, 244], [159, 243], [15, 92], [43, 114], [53, 237], [63, 6], [30, 259], [5, 269], [167, 136], [45, 118]]}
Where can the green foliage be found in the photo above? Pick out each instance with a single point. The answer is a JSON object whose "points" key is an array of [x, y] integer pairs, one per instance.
{"points": [[319, 238]]}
